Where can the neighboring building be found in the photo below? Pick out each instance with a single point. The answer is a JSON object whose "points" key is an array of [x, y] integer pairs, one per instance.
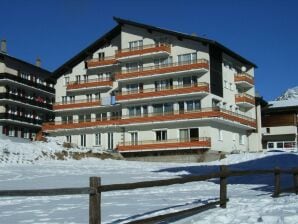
{"points": [[26, 96], [280, 125], [147, 91]]}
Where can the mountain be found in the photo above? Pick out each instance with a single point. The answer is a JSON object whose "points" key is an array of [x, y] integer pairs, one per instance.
{"points": [[291, 93]]}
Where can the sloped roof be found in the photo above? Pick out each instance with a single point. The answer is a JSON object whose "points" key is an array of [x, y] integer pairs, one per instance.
{"points": [[117, 29]]}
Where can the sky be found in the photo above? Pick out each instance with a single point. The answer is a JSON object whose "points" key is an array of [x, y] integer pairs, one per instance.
{"points": [[262, 31]]}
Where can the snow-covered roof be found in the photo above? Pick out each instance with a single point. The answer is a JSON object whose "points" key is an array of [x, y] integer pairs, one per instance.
{"points": [[283, 103]]}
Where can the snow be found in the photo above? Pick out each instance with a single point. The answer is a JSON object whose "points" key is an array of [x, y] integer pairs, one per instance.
{"points": [[283, 103], [12, 152], [291, 93], [250, 197]]}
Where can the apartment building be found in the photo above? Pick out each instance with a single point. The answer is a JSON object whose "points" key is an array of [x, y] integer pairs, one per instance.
{"points": [[280, 125], [26, 96], [146, 91]]}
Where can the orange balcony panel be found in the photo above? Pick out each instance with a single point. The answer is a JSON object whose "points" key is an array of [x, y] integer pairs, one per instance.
{"points": [[203, 113], [245, 98], [243, 77], [97, 62], [169, 144], [167, 92], [202, 64], [89, 84], [143, 50], [61, 106]]}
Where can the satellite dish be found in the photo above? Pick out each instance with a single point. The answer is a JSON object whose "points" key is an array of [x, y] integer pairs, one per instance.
{"points": [[243, 69]]}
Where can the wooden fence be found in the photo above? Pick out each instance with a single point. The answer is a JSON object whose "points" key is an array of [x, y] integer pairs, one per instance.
{"points": [[95, 189]]}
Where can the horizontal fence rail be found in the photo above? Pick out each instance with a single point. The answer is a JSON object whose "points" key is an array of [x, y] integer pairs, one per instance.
{"points": [[95, 189]]}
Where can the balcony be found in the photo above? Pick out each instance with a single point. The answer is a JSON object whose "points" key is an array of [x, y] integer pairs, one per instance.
{"points": [[76, 104], [196, 66], [29, 83], [170, 144], [212, 114], [22, 100], [156, 50], [245, 100], [90, 84], [244, 80], [101, 63], [173, 91], [14, 117]]}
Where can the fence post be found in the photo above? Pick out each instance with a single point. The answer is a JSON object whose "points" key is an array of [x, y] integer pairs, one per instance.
{"points": [[295, 179], [223, 186], [276, 182], [94, 201]]}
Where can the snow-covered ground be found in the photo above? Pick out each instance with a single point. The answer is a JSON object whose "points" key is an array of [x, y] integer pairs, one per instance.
{"points": [[250, 197]]}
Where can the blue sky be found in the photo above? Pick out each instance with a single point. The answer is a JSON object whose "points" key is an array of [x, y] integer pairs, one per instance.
{"points": [[263, 31]]}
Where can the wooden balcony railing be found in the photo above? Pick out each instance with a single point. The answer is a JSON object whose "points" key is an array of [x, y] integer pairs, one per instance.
{"points": [[164, 144], [89, 83], [173, 90], [96, 62], [204, 113], [243, 77], [76, 104], [166, 68], [244, 98], [145, 49]]}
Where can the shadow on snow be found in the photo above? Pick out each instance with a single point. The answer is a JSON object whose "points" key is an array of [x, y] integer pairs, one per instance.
{"points": [[284, 161]]}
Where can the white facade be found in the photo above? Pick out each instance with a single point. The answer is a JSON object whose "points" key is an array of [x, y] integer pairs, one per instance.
{"points": [[151, 91]]}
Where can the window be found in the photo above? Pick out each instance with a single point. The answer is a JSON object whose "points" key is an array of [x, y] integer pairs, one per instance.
{"points": [[68, 138], [11, 132], [85, 78], [186, 58], [71, 99], [270, 145], [190, 134], [163, 84], [163, 62], [66, 80], [280, 145], [84, 118], [161, 135], [133, 45], [193, 105], [163, 108], [267, 130], [215, 103], [134, 111], [101, 55], [83, 140], [132, 88], [97, 139], [97, 96], [101, 116], [110, 140], [26, 133], [134, 138], [220, 135], [89, 97], [187, 81], [134, 66], [242, 139], [78, 78], [64, 99]]}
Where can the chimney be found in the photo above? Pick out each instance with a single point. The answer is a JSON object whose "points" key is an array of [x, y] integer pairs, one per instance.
{"points": [[3, 49], [38, 62]]}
